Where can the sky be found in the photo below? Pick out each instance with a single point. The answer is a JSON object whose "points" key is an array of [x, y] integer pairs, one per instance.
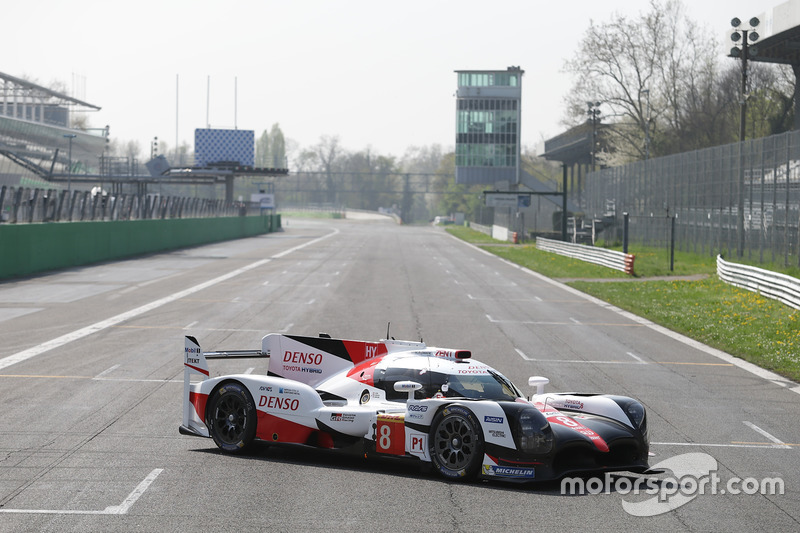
{"points": [[377, 75]]}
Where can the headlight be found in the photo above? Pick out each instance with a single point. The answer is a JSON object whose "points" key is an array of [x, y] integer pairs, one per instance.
{"points": [[636, 413], [533, 433]]}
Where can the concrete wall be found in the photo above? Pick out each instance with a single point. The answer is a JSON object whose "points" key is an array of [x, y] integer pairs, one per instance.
{"points": [[30, 248]]}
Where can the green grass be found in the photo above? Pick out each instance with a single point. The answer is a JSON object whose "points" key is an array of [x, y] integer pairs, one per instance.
{"points": [[739, 322], [742, 323], [470, 235]]}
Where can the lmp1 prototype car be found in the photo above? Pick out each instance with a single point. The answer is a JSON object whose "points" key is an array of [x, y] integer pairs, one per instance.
{"points": [[405, 399]]}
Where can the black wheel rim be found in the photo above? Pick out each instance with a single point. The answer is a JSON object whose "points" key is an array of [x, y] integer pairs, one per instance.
{"points": [[455, 442], [230, 418]]}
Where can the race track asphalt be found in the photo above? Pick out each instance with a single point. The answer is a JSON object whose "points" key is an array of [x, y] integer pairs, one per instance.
{"points": [[91, 382]]}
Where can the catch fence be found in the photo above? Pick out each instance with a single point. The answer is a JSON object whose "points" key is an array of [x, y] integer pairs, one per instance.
{"points": [[25, 205], [738, 200]]}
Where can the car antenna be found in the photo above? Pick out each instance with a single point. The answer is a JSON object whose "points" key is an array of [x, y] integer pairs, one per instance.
{"points": [[387, 330]]}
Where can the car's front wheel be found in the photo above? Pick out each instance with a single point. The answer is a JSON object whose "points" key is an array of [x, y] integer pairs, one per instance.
{"points": [[456, 443], [231, 418]]}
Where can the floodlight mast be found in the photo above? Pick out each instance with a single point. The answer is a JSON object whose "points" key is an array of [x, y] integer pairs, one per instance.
{"points": [[745, 34]]}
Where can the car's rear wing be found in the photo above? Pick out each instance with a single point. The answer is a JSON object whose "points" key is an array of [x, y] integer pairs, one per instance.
{"points": [[195, 362]]}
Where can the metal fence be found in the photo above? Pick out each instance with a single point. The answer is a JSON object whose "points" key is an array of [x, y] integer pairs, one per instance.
{"points": [[739, 200], [26, 205]]}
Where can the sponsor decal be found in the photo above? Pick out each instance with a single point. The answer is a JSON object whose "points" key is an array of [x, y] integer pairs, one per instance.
{"points": [[573, 404], [444, 353], [370, 351], [342, 417], [473, 371], [284, 390], [418, 408], [302, 369], [302, 358], [493, 419], [415, 416], [189, 352], [509, 471], [276, 402], [497, 434], [265, 389]]}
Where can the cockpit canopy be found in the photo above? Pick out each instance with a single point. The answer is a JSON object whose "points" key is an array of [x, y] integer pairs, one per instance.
{"points": [[443, 378]]}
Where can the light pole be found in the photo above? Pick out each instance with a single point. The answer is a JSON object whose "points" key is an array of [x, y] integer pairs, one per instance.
{"points": [[594, 117], [745, 35], [646, 92], [69, 136]]}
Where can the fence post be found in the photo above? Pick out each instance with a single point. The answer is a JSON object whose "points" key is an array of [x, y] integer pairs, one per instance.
{"points": [[625, 233], [672, 243]]}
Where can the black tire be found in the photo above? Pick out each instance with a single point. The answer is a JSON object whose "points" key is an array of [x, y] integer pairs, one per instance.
{"points": [[231, 418], [456, 443]]}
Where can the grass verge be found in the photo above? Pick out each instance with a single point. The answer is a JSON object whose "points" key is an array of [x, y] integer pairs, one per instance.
{"points": [[741, 323]]}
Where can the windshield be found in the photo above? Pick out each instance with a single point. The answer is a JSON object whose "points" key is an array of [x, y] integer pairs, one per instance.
{"points": [[488, 385]]}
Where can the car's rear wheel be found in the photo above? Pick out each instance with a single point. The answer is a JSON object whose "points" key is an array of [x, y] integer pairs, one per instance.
{"points": [[456, 443], [231, 418]]}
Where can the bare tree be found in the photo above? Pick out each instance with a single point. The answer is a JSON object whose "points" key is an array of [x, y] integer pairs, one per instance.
{"points": [[327, 152], [651, 74]]}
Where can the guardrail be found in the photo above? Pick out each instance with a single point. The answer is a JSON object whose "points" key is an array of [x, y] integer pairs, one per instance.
{"points": [[590, 254], [774, 285]]}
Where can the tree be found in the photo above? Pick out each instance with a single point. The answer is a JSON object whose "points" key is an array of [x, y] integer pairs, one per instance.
{"points": [[262, 158], [657, 78], [327, 152], [277, 147]]}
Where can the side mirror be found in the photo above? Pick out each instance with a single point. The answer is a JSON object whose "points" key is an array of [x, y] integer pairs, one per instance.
{"points": [[539, 382], [408, 386]]}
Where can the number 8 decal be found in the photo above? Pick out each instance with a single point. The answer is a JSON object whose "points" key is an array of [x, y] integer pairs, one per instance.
{"points": [[385, 440]]}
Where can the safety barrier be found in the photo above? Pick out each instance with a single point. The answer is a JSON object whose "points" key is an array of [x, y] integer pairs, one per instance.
{"points": [[769, 284], [32, 248], [599, 256]]}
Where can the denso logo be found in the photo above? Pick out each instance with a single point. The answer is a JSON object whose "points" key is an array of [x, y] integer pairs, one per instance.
{"points": [[302, 358], [418, 408], [275, 402]]}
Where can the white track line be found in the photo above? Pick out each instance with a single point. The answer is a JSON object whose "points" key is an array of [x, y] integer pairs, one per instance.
{"points": [[779, 443], [112, 509]]}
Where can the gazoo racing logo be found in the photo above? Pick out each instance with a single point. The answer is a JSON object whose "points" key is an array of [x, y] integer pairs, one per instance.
{"points": [[302, 358], [276, 402]]}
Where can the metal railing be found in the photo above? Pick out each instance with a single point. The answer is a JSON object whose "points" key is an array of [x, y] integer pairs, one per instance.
{"points": [[599, 256], [774, 285], [26, 205]]}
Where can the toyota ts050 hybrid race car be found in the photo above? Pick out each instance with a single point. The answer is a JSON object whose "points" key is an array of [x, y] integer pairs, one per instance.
{"points": [[405, 399]]}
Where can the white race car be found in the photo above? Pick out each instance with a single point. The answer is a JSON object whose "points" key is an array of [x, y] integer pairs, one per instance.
{"points": [[405, 399]]}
